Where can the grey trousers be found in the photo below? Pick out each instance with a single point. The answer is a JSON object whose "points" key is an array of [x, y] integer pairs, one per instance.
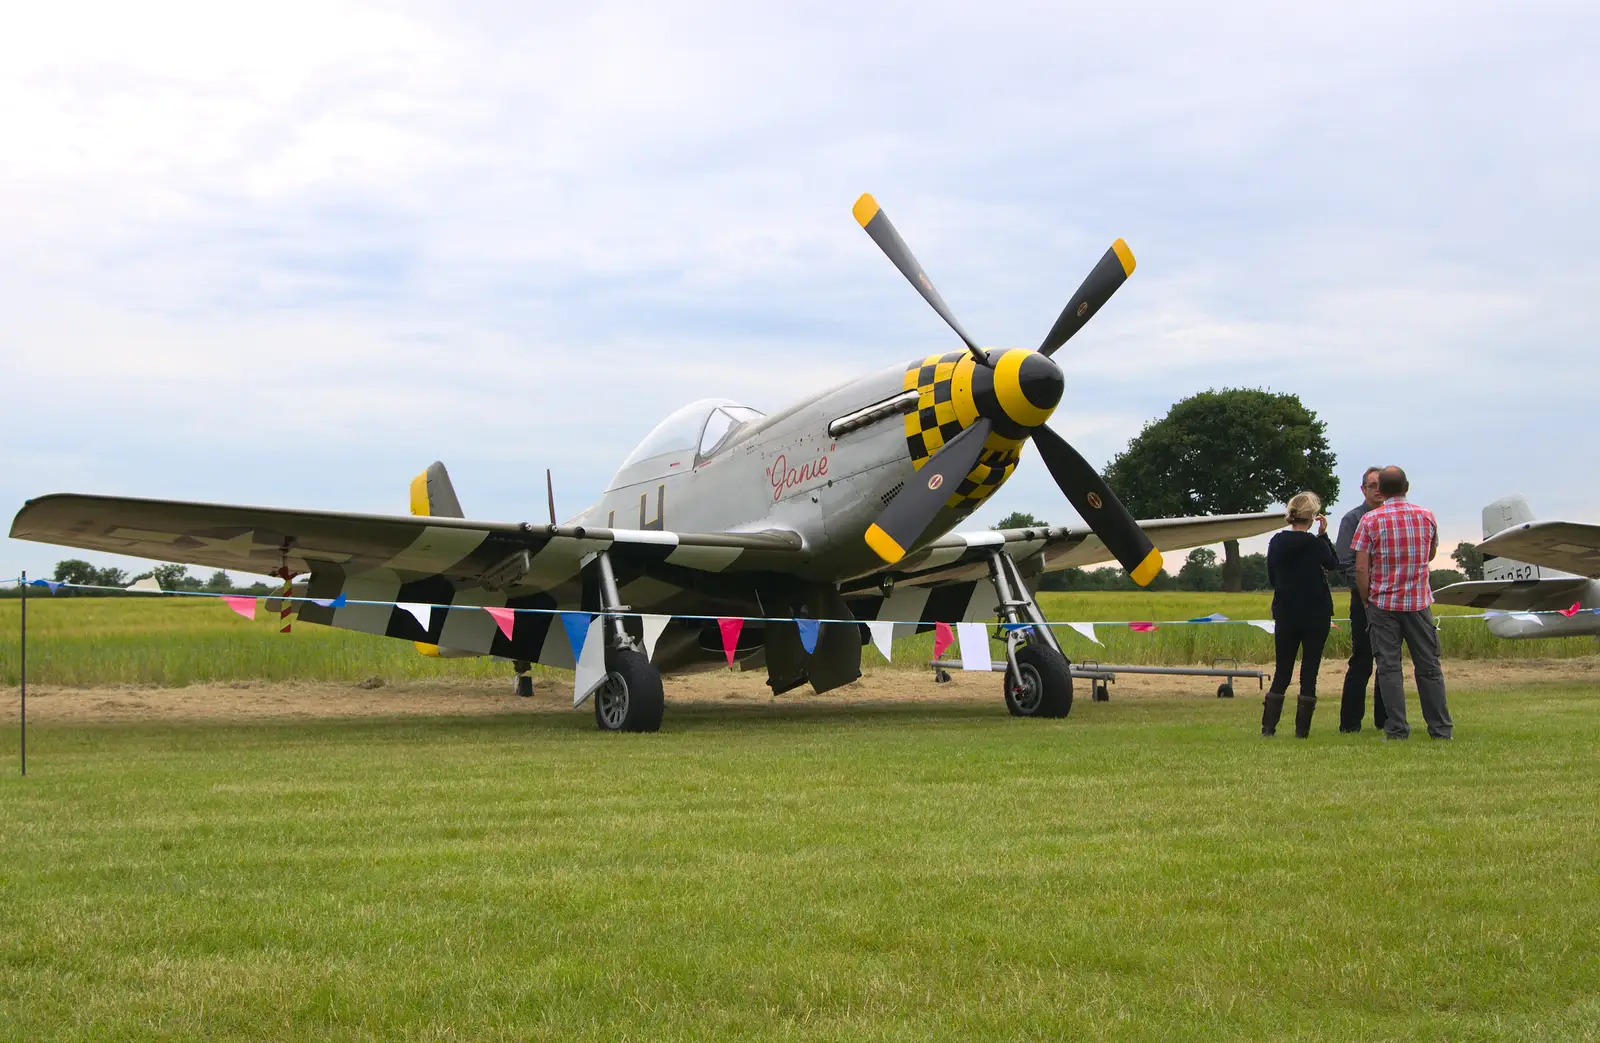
{"points": [[1416, 629]]}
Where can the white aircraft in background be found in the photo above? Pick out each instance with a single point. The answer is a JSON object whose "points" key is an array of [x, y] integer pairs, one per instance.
{"points": [[1533, 566]]}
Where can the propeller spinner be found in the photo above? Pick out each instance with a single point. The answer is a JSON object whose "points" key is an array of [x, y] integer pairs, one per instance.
{"points": [[1010, 393]]}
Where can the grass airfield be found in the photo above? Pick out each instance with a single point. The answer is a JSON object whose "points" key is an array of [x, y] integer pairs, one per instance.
{"points": [[1145, 869]]}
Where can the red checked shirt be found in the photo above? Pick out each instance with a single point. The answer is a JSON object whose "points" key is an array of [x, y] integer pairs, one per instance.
{"points": [[1399, 539]]}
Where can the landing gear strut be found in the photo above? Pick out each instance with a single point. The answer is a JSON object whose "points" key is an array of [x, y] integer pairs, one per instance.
{"points": [[1038, 676], [524, 682], [630, 699]]}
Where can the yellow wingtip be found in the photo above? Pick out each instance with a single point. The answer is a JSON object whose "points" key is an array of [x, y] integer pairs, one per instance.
{"points": [[419, 495], [1124, 255], [866, 209], [1147, 568], [884, 545]]}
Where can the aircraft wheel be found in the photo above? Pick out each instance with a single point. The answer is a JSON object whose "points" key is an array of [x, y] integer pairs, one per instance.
{"points": [[1044, 688], [524, 687], [631, 699], [1224, 691], [1102, 692]]}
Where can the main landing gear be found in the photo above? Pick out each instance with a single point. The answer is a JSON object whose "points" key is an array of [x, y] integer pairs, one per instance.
{"points": [[1038, 676], [630, 699]]}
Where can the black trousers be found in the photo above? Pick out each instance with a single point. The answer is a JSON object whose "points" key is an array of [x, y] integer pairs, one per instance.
{"points": [[1352, 707], [1292, 636]]}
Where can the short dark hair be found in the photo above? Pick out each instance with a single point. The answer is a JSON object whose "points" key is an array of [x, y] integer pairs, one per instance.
{"points": [[1367, 472], [1392, 481]]}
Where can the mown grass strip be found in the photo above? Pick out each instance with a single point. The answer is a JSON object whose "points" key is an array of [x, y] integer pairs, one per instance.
{"points": [[1142, 870]]}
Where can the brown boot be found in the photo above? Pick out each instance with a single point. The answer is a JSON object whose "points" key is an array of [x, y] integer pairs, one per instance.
{"points": [[1270, 714], [1302, 716]]}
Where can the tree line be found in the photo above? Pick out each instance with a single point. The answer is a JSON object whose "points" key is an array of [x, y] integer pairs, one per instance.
{"points": [[171, 577]]}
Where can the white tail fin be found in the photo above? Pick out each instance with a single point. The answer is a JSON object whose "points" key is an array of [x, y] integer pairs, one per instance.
{"points": [[1497, 517]]}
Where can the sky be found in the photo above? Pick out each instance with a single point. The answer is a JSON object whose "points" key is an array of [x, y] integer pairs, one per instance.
{"points": [[291, 254]]}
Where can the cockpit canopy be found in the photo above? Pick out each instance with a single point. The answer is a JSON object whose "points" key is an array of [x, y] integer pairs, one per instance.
{"points": [[692, 433]]}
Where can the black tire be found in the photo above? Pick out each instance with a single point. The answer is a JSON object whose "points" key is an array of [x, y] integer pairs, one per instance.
{"points": [[631, 699], [1045, 688], [1102, 692], [1224, 691], [524, 687]]}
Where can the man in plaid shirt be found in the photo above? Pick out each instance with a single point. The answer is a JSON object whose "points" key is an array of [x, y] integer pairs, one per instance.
{"points": [[1394, 546]]}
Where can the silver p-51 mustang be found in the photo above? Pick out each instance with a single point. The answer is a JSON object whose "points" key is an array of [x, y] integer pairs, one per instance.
{"points": [[841, 507]]}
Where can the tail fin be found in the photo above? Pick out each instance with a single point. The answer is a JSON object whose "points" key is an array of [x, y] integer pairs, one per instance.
{"points": [[1497, 517], [432, 494]]}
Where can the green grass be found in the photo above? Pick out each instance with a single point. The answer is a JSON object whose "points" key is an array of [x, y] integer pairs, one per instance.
{"points": [[177, 641], [1141, 870]]}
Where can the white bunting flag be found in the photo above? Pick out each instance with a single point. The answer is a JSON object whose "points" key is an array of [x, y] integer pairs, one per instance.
{"points": [[423, 614], [882, 637], [1087, 630], [1527, 617], [148, 583], [591, 671], [1265, 624], [974, 641], [653, 626]]}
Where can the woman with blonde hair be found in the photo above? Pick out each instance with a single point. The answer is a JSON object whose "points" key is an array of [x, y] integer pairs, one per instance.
{"points": [[1302, 608]]}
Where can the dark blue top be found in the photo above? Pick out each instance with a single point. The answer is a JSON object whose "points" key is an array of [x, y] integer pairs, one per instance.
{"points": [[1295, 567]]}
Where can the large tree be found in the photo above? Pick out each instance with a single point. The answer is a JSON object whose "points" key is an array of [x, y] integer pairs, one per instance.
{"points": [[1225, 452], [1470, 558]]}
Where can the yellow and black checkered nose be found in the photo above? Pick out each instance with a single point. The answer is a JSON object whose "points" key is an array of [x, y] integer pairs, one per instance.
{"points": [[1017, 392]]}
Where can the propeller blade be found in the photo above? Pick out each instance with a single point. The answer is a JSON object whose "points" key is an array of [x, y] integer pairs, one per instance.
{"points": [[876, 223], [902, 521], [1110, 273], [1099, 506]]}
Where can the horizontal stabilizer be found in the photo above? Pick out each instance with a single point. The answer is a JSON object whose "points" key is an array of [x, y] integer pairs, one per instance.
{"points": [[1567, 546], [1526, 595]]}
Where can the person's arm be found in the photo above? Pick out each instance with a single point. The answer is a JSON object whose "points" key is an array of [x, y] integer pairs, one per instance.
{"points": [[1433, 544], [1274, 551], [1364, 574], [1347, 557], [1330, 560]]}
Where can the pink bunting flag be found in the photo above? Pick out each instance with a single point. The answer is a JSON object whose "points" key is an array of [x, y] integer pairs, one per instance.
{"points": [[246, 607], [943, 638], [1570, 612], [1143, 628], [504, 618], [730, 635]]}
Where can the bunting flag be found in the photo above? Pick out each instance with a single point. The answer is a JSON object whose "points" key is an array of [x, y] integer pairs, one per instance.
{"points": [[974, 650], [1215, 617], [1143, 628], [730, 635], [943, 636], [1570, 612], [53, 584], [149, 583], [1526, 617], [653, 626], [577, 626], [246, 607], [504, 618], [590, 671], [882, 632], [1265, 624], [341, 601], [1087, 630], [423, 614], [1012, 628], [808, 634]]}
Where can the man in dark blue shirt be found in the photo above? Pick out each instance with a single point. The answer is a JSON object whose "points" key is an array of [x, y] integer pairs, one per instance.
{"points": [[1352, 706]]}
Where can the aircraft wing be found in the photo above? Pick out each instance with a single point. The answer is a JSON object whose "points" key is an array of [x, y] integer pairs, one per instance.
{"points": [[264, 540], [1509, 595], [1568, 546], [1052, 548]]}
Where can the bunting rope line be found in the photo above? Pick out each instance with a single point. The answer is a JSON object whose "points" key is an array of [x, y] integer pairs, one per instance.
{"points": [[412, 606]]}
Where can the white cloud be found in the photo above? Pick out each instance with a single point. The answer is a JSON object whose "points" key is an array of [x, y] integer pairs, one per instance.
{"points": [[294, 254]]}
